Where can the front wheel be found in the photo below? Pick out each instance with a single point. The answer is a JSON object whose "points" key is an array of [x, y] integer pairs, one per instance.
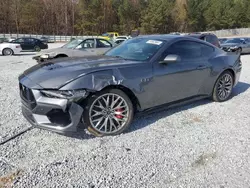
{"points": [[37, 49], [223, 87], [239, 50], [7, 52], [110, 112]]}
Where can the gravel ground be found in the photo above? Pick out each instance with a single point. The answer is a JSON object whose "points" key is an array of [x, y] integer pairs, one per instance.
{"points": [[205, 144]]}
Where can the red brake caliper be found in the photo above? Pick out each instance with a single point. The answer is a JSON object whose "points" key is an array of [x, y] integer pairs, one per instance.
{"points": [[118, 115]]}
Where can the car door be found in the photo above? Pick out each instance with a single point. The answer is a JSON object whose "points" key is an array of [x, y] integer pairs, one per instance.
{"points": [[180, 80], [21, 42], [87, 44], [29, 43], [102, 46]]}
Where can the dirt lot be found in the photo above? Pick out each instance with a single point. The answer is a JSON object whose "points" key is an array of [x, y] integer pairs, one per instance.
{"points": [[205, 144]]}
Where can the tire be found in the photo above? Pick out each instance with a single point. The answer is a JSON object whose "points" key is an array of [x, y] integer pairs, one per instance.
{"points": [[239, 50], [7, 52], [37, 49], [117, 118], [223, 87]]}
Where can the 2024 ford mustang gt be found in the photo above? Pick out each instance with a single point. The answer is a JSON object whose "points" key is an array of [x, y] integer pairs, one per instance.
{"points": [[104, 92]]}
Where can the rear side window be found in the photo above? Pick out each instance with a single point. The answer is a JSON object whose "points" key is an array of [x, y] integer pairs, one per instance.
{"points": [[189, 50], [103, 44], [29, 40]]}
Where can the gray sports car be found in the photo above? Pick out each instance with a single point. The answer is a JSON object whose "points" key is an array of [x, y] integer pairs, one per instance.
{"points": [[104, 92], [76, 48], [242, 45]]}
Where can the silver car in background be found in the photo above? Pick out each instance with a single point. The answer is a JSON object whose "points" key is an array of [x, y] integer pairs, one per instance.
{"points": [[242, 45], [76, 48]]}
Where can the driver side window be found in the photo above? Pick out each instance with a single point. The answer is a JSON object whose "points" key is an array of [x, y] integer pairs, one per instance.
{"points": [[88, 43]]}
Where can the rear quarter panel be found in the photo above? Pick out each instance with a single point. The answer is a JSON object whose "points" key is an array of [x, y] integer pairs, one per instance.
{"points": [[220, 63]]}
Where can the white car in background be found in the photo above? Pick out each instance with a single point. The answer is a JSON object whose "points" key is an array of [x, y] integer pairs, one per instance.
{"points": [[8, 49], [122, 38]]}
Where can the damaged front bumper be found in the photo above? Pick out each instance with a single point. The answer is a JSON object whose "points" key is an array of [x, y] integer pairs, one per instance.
{"points": [[55, 114], [41, 58]]}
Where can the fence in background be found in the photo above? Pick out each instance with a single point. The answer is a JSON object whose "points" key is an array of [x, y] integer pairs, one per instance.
{"points": [[232, 32], [55, 38], [58, 38]]}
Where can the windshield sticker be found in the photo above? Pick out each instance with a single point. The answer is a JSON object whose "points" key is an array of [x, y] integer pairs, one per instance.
{"points": [[155, 42]]}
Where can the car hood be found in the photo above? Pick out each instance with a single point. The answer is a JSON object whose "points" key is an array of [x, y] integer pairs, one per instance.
{"points": [[57, 73], [55, 51], [229, 44]]}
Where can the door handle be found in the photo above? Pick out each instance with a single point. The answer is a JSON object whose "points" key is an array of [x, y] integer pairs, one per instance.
{"points": [[200, 67]]}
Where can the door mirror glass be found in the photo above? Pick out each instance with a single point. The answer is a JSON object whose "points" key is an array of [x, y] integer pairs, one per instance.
{"points": [[171, 59]]}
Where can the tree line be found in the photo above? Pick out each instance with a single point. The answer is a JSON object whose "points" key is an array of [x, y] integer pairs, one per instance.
{"points": [[93, 17]]}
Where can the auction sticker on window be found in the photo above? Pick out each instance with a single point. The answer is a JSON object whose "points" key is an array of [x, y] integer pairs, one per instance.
{"points": [[155, 42]]}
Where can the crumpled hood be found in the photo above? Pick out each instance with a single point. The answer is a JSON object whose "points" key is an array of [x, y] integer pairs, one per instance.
{"points": [[57, 73]]}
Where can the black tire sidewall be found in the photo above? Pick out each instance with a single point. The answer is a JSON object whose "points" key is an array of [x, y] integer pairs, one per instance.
{"points": [[92, 98], [37, 49], [215, 93], [8, 50]]}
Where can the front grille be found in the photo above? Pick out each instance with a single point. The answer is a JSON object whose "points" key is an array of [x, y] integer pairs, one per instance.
{"points": [[27, 97]]}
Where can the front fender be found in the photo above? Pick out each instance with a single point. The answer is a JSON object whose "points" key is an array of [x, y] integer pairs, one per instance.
{"points": [[95, 81]]}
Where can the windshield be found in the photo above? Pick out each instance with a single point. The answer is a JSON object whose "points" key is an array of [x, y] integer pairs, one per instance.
{"points": [[138, 49], [72, 44], [235, 41], [105, 34]]}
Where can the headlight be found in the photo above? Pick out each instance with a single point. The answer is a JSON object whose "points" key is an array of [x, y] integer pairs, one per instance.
{"points": [[45, 56], [48, 55], [69, 94]]}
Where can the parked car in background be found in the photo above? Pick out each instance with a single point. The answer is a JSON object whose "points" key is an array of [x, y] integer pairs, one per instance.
{"points": [[222, 40], [104, 92], [135, 33], [2, 40], [123, 37], [10, 39], [47, 39], [44, 39], [208, 37], [31, 44], [109, 36], [119, 41], [76, 48], [241, 45], [8, 49]]}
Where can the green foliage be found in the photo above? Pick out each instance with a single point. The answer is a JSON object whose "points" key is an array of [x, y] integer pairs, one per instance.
{"points": [[93, 17]]}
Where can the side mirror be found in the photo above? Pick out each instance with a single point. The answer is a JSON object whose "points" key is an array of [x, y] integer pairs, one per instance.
{"points": [[171, 59]]}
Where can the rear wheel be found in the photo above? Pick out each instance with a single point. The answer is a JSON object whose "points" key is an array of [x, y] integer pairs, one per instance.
{"points": [[8, 52], [37, 49], [223, 87], [110, 112]]}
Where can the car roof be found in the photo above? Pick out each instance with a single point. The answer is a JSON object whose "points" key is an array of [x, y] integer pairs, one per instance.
{"points": [[169, 37], [166, 37], [197, 35]]}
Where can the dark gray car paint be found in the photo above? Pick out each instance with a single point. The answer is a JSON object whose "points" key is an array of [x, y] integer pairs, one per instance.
{"points": [[152, 83]]}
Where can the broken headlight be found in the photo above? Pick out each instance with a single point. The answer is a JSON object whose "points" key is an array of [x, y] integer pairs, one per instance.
{"points": [[65, 94]]}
